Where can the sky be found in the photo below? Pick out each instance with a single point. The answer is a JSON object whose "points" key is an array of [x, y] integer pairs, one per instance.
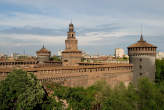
{"points": [[100, 25]]}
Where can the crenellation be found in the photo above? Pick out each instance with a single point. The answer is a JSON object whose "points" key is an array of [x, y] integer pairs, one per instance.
{"points": [[62, 71]]}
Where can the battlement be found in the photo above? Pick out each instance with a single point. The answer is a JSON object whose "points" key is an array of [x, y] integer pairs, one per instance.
{"points": [[79, 75], [142, 48], [137, 51], [17, 63]]}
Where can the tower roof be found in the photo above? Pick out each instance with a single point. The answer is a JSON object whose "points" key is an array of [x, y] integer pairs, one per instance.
{"points": [[141, 43], [141, 38], [43, 50]]}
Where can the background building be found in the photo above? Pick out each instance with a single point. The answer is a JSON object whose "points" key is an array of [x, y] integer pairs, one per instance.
{"points": [[119, 53], [160, 55], [59, 53]]}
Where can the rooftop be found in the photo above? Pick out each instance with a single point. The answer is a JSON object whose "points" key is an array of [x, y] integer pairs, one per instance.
{"points": [[141, 43], [43, 50]]}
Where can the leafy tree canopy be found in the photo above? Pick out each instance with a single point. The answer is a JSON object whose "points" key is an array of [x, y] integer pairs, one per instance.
{"points": [[159, 70], [22, 91]]}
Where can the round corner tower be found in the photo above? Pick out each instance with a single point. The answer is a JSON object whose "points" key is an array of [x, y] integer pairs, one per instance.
{"points": [[142, 55]]}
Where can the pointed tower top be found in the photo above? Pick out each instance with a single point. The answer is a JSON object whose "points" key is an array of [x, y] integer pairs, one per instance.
{"points": [[141, 38]]}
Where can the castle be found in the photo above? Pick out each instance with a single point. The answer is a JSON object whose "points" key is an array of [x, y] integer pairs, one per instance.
{"points": [[72, 72]]}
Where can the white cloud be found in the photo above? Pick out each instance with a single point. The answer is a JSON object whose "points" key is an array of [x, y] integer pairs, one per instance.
{"points": [[90, 38], [24, 19], [25, 40], [56, 14]]}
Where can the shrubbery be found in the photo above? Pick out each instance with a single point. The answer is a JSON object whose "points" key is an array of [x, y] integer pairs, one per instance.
{"points": [[22, 91], [147, 96]]}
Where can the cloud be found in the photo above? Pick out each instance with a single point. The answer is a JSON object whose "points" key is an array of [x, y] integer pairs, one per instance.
{"points": [[19, 40], [105, 25], [34, 20], [28, 30]]}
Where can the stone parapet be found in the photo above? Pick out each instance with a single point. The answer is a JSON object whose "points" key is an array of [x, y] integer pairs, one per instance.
{"points": [[79, 75]]}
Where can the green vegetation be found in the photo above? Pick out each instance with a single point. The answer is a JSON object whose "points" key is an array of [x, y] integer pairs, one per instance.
{"points": [[122, 59], [22, 91], [147, 96], [159, 70], [55, 58]]}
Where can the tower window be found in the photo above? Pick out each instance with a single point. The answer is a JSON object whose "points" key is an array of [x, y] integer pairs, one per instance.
{"points": [[140, 59], [141, 74], [140, 66], [72, 35], [65, 60]]}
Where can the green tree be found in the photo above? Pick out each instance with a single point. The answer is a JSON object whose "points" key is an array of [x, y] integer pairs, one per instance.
{"points": [[55, 58], [146, 95], [99, 92], [150, 95], [21, 90], [52, 104], [121, 98], [160, 95], [159, 76], [77, 97]]}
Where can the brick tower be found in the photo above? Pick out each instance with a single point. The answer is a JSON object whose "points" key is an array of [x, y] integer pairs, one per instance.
{"points": [[71, 56], [142, 55]]}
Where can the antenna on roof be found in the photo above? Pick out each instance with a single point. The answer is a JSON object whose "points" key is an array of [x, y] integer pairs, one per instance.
{"points": [[141, 37], [71, 20], [43, 45], [141, 28]]}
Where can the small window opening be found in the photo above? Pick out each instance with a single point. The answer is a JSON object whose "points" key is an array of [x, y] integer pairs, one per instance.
{"points": [[65, 60]]}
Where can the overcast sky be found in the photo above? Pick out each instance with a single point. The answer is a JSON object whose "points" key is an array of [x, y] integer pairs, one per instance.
{"points": [[101, 25]]}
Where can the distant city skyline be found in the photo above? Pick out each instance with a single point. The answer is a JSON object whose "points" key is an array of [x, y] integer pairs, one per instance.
{"points": [[101, 26]]}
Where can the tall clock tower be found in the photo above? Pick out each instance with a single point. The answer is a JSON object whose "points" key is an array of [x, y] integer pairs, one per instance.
{"points": [[71, 56]]}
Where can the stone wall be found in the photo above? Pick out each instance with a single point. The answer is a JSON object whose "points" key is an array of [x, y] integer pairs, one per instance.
{"points": [[144, 66], [86, 76], [80, 75], [71, 58]]}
